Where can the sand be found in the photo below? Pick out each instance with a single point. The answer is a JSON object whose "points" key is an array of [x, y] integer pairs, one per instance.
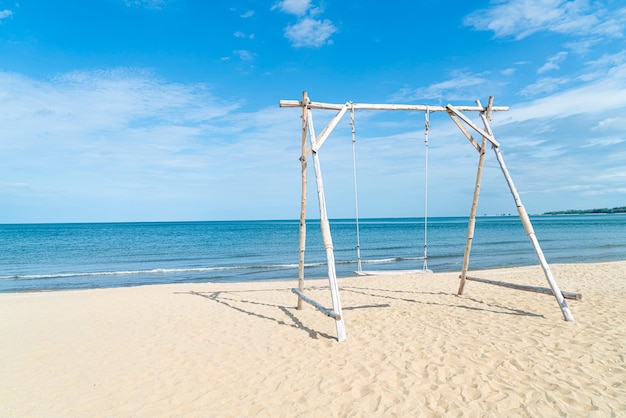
{"points": [[414, 348]]}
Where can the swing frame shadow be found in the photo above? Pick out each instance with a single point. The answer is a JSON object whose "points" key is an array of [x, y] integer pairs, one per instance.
{"points": [[237, 301], [463, 123]]}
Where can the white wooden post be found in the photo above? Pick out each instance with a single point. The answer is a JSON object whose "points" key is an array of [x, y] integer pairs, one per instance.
{"points": [[326, 236], [471, 225], [302, 238], [530, 232]]}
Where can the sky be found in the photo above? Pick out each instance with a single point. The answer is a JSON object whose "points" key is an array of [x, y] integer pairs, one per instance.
{"points": [[168, 110]]}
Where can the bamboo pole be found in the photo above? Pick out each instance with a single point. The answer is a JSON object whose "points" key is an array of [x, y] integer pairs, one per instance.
{"points": [[327, 130], [317, 305], [472, 219], [472, 125], [536, 289], [367, 106], [469, 136], [319, 141], [327, 238], [302, 238], [521, 210]]}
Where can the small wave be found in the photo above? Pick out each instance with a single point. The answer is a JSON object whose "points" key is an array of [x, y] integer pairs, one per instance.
{"points": [[321, 263], [611, 246], [149, 271], [381, 260]]}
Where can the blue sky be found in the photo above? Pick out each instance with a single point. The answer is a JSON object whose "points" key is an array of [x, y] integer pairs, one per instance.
{"points": [[157, 110]]}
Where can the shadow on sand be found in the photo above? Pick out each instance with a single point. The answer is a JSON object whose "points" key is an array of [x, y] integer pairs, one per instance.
{"points": [[287, 315]]}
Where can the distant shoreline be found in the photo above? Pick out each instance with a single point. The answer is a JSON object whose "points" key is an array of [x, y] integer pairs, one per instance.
{"points": [[616, 210]]}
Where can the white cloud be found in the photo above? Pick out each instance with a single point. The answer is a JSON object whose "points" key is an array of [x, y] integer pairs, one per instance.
{"points": [[295, 7], [244, 55], [603, 142], [80, 109], [543, 86], [310, 32], [606, 93], [241, 35], [449, 89], [126, 145], [522, 18], [611, 123], [247, 14], [553, 63], [613, 25], [610, 59], [583, 46], [4, 14], [148, 4]]}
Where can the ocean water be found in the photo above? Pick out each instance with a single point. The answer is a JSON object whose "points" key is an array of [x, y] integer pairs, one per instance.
{"points": [[44, 257]]}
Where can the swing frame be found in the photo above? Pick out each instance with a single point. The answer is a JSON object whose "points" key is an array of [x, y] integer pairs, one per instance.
{"points": [[462, 122]]}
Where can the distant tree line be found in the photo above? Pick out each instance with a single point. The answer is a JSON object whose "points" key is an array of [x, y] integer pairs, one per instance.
{"points": [[620, 209]]}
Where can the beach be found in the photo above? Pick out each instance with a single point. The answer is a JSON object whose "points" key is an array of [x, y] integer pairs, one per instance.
{"points": [[414, 348]]}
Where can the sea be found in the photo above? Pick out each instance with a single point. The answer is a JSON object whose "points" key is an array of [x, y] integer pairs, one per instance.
{"points": [[51, 257]]}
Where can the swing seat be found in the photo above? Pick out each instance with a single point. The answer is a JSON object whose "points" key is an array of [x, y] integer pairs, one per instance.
{"points": [[390, 272]]}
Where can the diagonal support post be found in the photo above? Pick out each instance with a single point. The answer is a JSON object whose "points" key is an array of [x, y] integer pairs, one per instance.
{"points": [[530, 232], [326, 237]]}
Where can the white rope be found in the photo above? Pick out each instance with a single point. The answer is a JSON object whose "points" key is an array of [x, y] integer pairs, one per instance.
{"points": [[426, 128], [356, 194]]}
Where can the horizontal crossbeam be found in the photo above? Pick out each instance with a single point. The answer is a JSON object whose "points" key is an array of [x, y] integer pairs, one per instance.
{"points": [[536, 289], [366, 106], [316, 304]]}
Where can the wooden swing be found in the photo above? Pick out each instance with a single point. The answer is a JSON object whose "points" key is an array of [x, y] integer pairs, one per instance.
{"points": [[462, 122], [360, 271]]}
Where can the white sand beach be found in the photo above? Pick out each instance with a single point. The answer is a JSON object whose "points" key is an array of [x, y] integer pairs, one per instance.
{"points": [[414, 348]]}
